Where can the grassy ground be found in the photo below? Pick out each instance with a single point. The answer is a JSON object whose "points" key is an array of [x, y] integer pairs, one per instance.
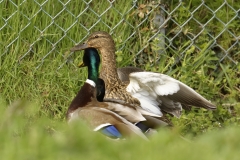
{"points": [[32, 50], [45, 138]]}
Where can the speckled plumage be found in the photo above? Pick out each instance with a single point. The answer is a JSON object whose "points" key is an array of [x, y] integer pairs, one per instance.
{"points": [[115, 89], [100, 115], [154, 88]]}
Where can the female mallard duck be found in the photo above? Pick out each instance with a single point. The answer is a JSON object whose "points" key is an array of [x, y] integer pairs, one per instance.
{"points": [[152, 91], [136, 115], [100, 115]]}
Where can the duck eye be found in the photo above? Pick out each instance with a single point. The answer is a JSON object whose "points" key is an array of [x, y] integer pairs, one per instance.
{"points": [[96, 36]]}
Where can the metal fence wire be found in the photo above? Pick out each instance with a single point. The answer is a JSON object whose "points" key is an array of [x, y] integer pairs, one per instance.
{"points": [[138, 27]]}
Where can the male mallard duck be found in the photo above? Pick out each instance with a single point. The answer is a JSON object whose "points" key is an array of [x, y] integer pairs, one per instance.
{"points": [[100, 115], [152, 91]]}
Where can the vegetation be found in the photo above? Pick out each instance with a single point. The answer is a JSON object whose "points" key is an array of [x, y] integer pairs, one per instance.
{"points": [[45, 138], [201, 50]]}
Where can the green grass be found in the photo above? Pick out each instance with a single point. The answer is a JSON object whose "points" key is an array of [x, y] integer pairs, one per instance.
{"points": [[45, 138], [36, 66]]}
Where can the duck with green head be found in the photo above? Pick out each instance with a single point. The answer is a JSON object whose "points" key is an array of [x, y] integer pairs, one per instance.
{"points": [[154, 92], [100, 116]]}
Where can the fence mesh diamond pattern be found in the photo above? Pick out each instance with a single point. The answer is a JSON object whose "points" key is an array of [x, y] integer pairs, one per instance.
{"points": [[144, 29]]}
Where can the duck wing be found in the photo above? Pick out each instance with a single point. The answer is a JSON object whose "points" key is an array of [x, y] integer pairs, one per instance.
{"points": [[100, 118], [123, 73], [165, 91], [126, 111]]}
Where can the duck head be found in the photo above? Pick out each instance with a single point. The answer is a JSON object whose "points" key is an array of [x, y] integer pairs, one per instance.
{"points": [[91, 59], [100, 40]]}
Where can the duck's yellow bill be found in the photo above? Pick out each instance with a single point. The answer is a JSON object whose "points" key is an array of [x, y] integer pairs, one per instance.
{"points": [[81, 64]]}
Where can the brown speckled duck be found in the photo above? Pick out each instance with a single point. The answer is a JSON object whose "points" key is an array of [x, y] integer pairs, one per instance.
{"points": [[101, 116], [152, 91]]}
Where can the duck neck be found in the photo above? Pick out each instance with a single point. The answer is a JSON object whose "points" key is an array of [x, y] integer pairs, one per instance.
{"points": [[109, 65], [93, 71]]}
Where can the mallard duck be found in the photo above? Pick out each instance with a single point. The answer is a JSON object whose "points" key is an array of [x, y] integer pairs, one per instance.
{"points": [[151, 122], [152, 91], [100, 115]]}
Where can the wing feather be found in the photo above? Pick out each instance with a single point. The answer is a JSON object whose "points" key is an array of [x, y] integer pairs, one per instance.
{"points": [[155, 90], [128, 112]]}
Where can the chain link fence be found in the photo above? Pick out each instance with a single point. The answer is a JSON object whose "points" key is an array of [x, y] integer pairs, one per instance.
{"points": [[145, 29]]}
